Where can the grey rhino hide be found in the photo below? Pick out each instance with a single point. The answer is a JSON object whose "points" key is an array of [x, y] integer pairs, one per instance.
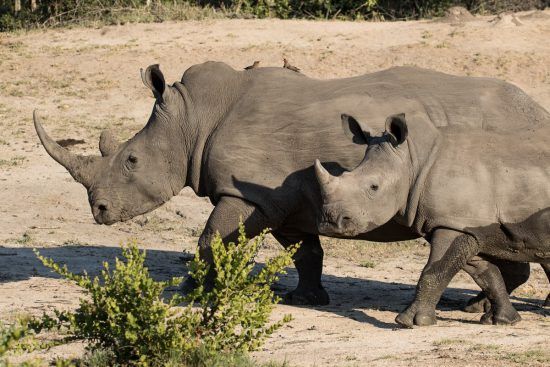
{"points": [[487, 191], [246, 139]]}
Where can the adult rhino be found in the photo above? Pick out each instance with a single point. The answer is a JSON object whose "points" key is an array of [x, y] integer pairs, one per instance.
{"points": [[246, 139], [474, 192]]}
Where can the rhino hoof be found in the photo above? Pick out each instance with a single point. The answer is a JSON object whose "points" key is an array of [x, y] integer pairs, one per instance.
{"points": [[409, 318], [502, 317], [424, 319], [547, 302], [188, 286], [405, 319], [298, 297], [478, 304]]}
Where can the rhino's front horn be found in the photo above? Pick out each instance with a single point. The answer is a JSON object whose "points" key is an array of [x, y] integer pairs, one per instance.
{"points": [[80, 167], [107, 143], [323, 176]]}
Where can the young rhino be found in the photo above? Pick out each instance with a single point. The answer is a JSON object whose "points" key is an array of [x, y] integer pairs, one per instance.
{"points": [[476, 193]]}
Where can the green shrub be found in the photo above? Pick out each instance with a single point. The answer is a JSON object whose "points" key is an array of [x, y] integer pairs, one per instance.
{"points": [[235, 314], [124, 311], [62, 12], [20, 337], [124, 318], [12, 335]]}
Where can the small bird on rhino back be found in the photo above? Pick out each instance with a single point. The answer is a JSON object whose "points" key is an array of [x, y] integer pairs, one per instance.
{"points": [[253, 66], [290, 67]]}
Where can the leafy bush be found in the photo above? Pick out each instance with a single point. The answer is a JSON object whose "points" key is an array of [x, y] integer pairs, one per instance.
{"points": [[20, 337], [60, 12], [124, 318], [12, 335], [66, 12]]}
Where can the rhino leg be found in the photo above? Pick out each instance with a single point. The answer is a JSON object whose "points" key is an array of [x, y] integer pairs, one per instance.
{"points": [[513, 273], [225, 219], [457, 249], [487, 275], [309, 264], [546, 268]]}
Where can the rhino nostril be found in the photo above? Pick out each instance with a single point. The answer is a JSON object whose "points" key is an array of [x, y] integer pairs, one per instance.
{"points": [[343, 221], [102, 207]]}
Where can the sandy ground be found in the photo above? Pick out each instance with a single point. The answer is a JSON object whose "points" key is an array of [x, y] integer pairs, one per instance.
{"points": [[85, 80]]}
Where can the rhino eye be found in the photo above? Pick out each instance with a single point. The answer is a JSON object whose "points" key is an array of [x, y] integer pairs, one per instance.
{"points": [[131, 162], [374, 187]]}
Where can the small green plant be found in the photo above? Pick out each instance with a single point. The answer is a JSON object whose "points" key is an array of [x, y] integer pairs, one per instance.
{"points": [[24, 239], [124, 319], [528, 357], [12, 335], [20, 337], [368, 264], [15, 161]]}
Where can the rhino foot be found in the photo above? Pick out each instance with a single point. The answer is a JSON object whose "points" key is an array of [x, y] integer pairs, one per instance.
{"points": [[189, 285], [547, 302], [311, 297], [505, 316], [478, 304], [411, 317]]}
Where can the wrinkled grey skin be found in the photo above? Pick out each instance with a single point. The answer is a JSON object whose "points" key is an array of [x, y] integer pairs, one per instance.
{"points": [[475, 193], [246, 139]]}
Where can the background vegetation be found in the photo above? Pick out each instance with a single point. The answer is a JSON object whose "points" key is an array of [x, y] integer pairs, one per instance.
{"points": [[16, 14]]}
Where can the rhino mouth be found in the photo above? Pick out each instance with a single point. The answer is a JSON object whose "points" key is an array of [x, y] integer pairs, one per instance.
{"points": [[110, 217], [110, 220], [344, 229]]}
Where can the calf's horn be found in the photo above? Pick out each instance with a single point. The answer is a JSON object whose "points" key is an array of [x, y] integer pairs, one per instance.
{"points": [[323, 176], [80, 167]]}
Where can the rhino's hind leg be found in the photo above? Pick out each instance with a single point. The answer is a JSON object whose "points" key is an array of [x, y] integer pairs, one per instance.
{"points": [[514, 275], [487, 275], [437, 274], [309, 264]]}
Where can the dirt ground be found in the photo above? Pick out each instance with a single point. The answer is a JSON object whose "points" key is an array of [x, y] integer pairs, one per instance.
{"points": [[84, 80]]}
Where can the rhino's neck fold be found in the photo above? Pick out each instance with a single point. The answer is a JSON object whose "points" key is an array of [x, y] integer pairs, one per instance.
{"points": [[206, 106], [189, 128], [420, 168]]}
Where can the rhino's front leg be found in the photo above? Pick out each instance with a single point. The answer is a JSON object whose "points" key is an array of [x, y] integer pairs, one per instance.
{"points": [[225, 219], [437, 274], [309, 264]]}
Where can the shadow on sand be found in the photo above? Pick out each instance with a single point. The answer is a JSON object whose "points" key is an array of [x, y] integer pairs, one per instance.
{"points": [[350, 297]]}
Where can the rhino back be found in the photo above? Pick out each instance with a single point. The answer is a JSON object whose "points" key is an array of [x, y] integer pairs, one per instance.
{"points": [[482, 179], [476, 102], [263, 148]]}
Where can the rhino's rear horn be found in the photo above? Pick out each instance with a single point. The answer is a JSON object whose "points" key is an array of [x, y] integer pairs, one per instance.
{"points": [[80, 167], [107, 143]]}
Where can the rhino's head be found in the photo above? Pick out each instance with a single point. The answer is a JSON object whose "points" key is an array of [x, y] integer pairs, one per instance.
{"points": [[374, 192], [136, 176]]}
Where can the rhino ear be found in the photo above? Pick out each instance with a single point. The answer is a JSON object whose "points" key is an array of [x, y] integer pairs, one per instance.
{"points": [[354, 131], [153, 79], [396, 129]]}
